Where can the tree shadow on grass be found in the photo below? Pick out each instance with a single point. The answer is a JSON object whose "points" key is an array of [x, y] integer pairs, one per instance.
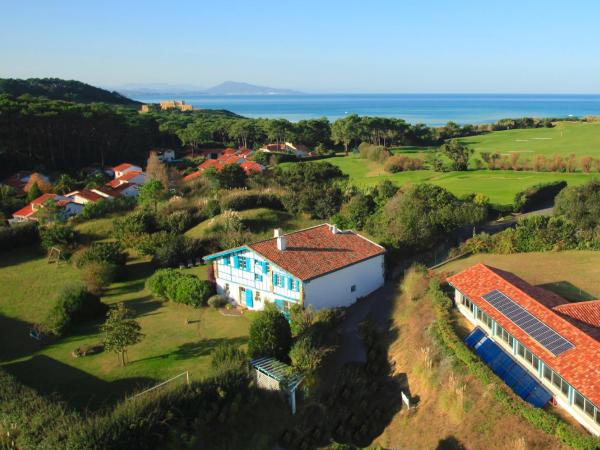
{"points": [[22, 256], [450, 443], [568, 291], [203, 347], [16, 342], [77, 388]]}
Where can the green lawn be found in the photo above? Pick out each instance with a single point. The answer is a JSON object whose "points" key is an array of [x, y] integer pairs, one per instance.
{"points": [[499, 185], [565, 138], [259, 221], [171, 346]]}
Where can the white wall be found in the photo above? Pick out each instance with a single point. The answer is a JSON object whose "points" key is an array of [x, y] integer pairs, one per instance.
{"points": [[334, 289]]}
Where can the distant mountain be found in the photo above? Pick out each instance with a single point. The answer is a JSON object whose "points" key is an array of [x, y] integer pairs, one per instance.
{"points": [[237, 88], [58, 89]]}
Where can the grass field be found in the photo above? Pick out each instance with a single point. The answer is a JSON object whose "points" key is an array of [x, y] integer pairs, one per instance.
{"points": [[565, 138], [28, 286], [572, 274], [499, 185]]}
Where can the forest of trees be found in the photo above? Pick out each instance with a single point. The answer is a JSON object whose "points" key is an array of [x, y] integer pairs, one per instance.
{"points": [[40, 130], [58, 89]]}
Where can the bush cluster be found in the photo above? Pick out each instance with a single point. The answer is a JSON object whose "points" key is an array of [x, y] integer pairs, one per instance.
{"points": [[539, 418], [401, 163], [101, 208], [538, 195], [110, 252], [373, 152], [74, 305], [240, 200], [18, 236], [182, 288], [58, 235]]}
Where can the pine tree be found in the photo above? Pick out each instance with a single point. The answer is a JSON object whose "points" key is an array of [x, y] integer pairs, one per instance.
{"points": [[120, 331]]}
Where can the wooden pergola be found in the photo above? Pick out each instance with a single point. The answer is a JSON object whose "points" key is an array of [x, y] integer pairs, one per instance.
{"points": [[274, 375]]}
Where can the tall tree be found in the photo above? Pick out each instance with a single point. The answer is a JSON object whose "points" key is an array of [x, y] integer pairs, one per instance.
{"points": [[121, 331], [458, 153], [150, 193], [156, 170], [346, 130]]}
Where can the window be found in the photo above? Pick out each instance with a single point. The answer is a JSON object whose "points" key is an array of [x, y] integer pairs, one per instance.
{"points": [[257, 297], [278, 279], [520, 350], [353, 288], [244, 263], [258, 277], [579, 400], [547, 373], [227, 260]]}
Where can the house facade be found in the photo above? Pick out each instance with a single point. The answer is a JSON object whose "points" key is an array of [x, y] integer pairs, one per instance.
{"points": [[556, 342], [320, 266]]}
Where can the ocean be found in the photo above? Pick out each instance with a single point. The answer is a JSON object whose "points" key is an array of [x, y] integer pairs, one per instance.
{"points": [[431, 109]]}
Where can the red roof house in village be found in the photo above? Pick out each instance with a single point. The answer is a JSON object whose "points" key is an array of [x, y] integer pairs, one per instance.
{"points": [[227, 157], [556, 342]]}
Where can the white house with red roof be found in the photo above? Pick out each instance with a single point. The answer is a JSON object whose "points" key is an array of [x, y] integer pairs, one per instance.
{"points": [[321, 266], [28, 213], [554, 345], [123, 168], [298, 150], [227, 157]]}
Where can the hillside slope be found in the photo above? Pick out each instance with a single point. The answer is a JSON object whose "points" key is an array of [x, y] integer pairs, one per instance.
{"points": [[59, 89]]}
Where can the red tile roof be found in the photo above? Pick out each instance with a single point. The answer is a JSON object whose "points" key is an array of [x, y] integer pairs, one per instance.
{"points": [[43, 199], [192, 176], [24, 212], [123, 179], [585, 312], [316, 251], [579, 366], [86, 194], [121, 167], [252, 167]]}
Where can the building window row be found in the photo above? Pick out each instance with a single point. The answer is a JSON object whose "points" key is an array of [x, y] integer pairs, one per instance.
{"points": [[547, 373]]}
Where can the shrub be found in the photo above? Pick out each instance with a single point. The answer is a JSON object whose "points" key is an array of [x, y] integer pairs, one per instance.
{"points": [[538, 195], [190, 290], [226, 357], [177, 222], [182, 288], [376, 153], [18, 235], [97, 275], [58, 235], [74, 305], [270, 334], [111, 252], [143, 221], [101, 208], [400, 163], [415, 284], [217, 301], [175, 249], [581, 204], [242, 200]]}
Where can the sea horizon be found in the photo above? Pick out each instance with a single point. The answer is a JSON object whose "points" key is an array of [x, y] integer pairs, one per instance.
{"points": [[430, 109]]}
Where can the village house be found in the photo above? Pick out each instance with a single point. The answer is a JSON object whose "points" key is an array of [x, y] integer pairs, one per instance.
{"points": [[227, 157], [298, 150], [19, 180], [321, 266], [127, 181], [29, 212], [124, 168], [166, 155], [544, 347]]}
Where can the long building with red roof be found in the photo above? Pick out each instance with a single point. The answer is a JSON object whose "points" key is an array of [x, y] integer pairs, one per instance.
{"points": [[555, 341], [321, 266]]}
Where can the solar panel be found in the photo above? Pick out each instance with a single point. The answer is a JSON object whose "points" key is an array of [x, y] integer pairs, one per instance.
{"points": [[539, 331]]}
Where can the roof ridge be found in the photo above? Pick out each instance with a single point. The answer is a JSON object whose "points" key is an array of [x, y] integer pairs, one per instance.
{"points": [[287, 234]]}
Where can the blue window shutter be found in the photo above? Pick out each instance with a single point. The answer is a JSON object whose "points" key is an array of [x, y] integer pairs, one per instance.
{"points": [[236, 262], [226, 260], [265, 267], [248, 268], [298, 286], [274, 279], [289, 283]]}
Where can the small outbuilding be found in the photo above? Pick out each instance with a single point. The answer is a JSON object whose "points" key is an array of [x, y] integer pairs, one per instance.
{"points": [[273, 375]]}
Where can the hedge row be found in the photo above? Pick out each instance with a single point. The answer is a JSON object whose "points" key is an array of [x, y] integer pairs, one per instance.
{"points": [[18, 236], [242, 200], [539, 418], [538, 195]]}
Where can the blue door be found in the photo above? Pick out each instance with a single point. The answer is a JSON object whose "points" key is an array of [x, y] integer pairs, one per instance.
{"points": [[249, 299]]}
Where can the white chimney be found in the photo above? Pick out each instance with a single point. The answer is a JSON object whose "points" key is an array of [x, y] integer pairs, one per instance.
{"points": [[281, 239], [334, 229]]}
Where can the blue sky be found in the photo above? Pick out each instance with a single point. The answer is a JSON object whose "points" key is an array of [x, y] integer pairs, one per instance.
{"points": [[315, 46]]}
